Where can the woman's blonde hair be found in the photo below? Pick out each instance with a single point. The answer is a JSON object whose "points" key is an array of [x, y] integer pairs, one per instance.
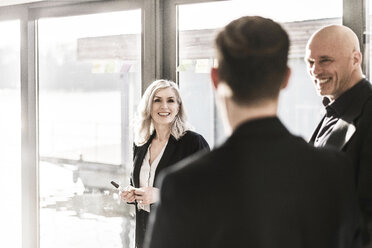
{"points": [[144, 127]]}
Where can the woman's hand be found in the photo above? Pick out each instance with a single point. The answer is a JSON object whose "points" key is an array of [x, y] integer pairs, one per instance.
{"points": [[146, 195], [128, 194]]}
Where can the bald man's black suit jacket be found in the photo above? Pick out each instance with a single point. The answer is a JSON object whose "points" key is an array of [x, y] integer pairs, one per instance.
{"points": [[352, 134], [262, 188]]}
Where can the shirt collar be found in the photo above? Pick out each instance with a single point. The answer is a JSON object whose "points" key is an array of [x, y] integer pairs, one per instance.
{"points": [[338, 107]]}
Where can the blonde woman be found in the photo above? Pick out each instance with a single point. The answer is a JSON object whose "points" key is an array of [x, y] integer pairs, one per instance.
{"points": [[162, 138]]}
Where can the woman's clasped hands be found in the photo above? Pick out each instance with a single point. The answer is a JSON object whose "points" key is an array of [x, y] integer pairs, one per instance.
{"points": [[144, 195]]}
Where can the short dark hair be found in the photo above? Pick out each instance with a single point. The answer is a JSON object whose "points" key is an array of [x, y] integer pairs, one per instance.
{"points": [[252, 58]]}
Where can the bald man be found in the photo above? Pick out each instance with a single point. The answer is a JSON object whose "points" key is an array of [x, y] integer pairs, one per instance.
{"points": [[334, 62]]}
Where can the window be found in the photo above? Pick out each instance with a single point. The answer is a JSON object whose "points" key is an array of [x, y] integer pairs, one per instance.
{"points": [[299, 107], [90, 70], [89, 87], [10, 133]]}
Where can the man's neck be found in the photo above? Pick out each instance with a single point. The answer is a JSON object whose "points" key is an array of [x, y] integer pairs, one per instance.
{"points": [[238, 114], [352, 83]]}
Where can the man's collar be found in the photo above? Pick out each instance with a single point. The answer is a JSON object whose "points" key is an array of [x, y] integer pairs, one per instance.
{"points": [[339, 106]]}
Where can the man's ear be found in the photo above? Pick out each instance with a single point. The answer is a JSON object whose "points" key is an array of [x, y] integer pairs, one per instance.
{"points": [[357, 58], [286, 78], [215, 77]]}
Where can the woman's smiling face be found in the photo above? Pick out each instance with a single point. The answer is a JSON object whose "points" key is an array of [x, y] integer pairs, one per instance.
{"points": [[165, 106]]}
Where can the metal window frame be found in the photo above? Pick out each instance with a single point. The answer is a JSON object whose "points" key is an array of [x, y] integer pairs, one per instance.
{"points": [[355, 15], [29, 147]]}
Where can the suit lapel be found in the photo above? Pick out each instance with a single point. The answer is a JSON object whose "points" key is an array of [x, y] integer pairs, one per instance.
{"points": [[341, 134], [138, 160], [345, 126], [164, 161], [313, 137], [167, 155]]}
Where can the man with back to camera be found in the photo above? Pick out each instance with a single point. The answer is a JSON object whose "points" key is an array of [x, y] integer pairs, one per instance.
{"points": [[334, 63], [263, 187]]}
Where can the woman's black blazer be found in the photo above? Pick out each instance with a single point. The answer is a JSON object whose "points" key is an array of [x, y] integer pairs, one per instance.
{"points": [[175, 151]]}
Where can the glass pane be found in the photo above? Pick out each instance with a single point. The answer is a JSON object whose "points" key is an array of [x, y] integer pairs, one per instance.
{"points": [[89, 88], [10, 133], [300, 107]]}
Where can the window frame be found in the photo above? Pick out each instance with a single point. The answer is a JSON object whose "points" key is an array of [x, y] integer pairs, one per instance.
{"points": [[355, 15]]}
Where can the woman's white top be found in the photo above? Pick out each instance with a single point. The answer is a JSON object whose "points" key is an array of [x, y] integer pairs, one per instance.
{"points": [[147, 173]]}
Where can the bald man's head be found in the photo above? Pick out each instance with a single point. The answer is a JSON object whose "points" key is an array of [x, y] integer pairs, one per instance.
{"points": [[337, 36], [334, 60]]}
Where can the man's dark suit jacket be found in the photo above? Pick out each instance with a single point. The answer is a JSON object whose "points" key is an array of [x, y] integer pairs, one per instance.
{"points": [[175, 151], [353, 135], [262, 188]]}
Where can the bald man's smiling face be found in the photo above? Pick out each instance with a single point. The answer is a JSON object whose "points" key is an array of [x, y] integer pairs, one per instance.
{"points": [[330, 64]]}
